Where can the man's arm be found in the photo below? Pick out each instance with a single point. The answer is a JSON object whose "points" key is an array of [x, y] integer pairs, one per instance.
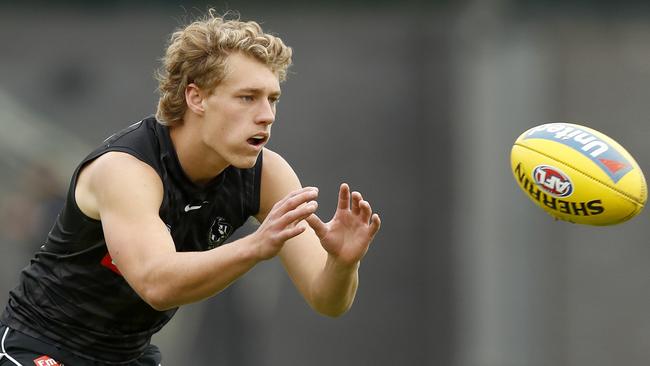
{"points": [[126, 194], [323, 261]]}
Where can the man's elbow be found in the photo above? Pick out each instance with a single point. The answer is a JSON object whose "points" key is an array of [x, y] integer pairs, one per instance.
{"points": [[158, 298], [333, 314], [332, 311]]}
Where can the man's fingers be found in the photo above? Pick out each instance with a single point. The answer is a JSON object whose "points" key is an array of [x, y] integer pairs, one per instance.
{"points": [[319, 227], [298, 214], [356, 200], [375, 224], [295, 199], [292, 231], [298, 192], [344, 197], [365, 211]]}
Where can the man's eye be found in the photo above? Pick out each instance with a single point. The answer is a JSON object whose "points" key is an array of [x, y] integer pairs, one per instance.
{"points": [[274, 101], [247, 98]]}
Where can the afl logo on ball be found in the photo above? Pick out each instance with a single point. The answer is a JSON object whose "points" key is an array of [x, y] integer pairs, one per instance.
{"points": [[553, 181]]}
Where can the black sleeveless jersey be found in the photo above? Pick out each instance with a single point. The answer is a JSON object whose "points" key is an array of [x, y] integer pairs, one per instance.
{"points": [[72, 295]]}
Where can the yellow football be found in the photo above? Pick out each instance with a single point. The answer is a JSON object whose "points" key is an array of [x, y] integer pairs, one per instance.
{"points": [[578, 174]]}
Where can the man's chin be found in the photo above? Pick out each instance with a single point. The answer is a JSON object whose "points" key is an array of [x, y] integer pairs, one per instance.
{"points": [[245, 162]]}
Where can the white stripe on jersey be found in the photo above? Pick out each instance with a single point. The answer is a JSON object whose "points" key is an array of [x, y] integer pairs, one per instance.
{"points": [[4, 353]]}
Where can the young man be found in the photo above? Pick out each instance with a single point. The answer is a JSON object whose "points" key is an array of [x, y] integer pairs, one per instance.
{"points": [[146, 213]]}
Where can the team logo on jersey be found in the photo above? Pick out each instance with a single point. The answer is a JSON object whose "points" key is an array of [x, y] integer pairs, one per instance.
{"points": [[553, 181], [219, 231], [46, 361]]}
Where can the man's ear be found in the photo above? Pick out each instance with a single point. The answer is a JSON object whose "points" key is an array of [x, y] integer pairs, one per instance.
{"points": [[194, 98]]}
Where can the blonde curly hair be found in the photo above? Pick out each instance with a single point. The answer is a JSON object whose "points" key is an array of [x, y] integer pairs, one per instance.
{"points": [[198, 53]]}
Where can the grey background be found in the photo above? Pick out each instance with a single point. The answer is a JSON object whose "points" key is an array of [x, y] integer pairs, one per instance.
{"points": [[416, 105]]}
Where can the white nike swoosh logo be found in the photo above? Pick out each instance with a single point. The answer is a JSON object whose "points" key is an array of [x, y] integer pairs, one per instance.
{"points": [[189, 208]]}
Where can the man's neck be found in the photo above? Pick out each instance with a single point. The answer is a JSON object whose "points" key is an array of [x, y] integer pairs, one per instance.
{"points": [[200, 163]]}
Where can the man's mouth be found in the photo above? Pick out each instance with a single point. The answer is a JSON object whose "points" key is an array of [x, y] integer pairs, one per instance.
{"points": [[258, 140]]}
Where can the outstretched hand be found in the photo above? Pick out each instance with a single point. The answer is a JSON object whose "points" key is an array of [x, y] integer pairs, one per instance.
{"points": [[348, 235], [283, 222]]}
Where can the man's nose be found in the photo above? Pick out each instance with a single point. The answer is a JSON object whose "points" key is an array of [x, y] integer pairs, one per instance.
{"points": [[266, 114]]}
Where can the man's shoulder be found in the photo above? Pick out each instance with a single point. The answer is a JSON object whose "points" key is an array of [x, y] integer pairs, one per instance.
{"points": [[134, 130], [138, 142], [114, 174], [278, 179], [120, 165], [277, 173], [273, 161]]}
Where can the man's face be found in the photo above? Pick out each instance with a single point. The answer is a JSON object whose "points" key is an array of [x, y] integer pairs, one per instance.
{"points": [[240, 111]]}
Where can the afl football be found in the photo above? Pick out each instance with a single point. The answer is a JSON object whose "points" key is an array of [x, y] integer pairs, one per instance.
{"points": [[578, 174]]}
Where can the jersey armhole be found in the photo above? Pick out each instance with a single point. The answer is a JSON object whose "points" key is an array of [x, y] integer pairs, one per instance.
{"points": [[89, 159]]}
